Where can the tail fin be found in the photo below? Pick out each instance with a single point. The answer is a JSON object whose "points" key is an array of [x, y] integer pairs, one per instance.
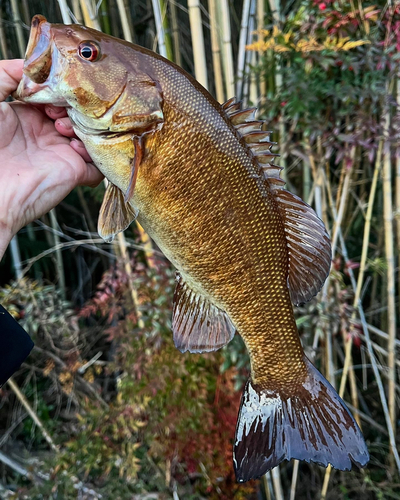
{"points": [[311, 423]]}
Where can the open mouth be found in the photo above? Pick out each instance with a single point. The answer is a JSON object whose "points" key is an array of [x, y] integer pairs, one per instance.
{"points": [[39, 73]]}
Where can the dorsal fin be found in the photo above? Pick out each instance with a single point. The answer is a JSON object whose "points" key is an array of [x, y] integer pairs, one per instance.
{"points": [[307, 239]]}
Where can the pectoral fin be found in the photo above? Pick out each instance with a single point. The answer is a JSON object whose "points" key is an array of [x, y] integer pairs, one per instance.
{"points": [[115, 214], [197, 324], [138, 143]]}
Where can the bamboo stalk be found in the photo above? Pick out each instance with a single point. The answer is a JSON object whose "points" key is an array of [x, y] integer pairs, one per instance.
{"points": [[295, 475], [260, 27], [18, 27], [249, 55], [242, 48], [167, 30], [105, 19], [25, 12], [325, 484], [267, 485], [3, 40], [126, 29], [253, 90], [199, 53], [216, 51], [162, 49], [391, 269], [225, 22], [276, 480], [64, 9], [175, 33], [89, 14], [77, 11]]}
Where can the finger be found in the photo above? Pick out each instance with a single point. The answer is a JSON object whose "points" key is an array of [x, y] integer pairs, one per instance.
{"points": [[55, 112], [78, 146], [64, 127], [10, 75], [91, 176]]}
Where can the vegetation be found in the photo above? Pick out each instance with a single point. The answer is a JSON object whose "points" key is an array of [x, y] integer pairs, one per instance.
{"points": [[105, 406]]}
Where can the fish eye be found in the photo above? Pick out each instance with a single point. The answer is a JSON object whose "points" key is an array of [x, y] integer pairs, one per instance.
{"points": [[89, 51]]}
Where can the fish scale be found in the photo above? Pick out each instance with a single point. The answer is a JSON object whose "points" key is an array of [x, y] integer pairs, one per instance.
{"points": [[201, 179], [249, 221]]}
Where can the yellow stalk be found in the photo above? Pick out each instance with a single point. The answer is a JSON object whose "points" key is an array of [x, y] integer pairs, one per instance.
{"points": [[276, 480], [199, 53], [216, 52], [77, 11], [89, 14], [391, 267], [225, 22], [126, 29]]}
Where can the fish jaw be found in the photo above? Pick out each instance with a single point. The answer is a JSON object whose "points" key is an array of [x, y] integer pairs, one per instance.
{"points": [[43, 67]]}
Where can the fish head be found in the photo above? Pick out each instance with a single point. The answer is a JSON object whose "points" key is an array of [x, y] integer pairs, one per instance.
{"points": [[89, 73]]}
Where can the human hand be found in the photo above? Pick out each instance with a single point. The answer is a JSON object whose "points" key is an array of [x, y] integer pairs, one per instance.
{"points": [[39, 164]]}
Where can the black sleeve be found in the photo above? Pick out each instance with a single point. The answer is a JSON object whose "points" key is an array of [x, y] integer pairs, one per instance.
{"points": [[15, 345]]}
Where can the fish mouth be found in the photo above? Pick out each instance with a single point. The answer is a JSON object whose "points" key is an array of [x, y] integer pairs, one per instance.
{"points": [[41, 66]]}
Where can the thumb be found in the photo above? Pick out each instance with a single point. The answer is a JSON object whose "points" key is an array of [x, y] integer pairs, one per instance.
{"points": [[10, 76]]}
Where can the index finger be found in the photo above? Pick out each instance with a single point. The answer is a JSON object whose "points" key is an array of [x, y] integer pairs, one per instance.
{"points": [[10, 76]]}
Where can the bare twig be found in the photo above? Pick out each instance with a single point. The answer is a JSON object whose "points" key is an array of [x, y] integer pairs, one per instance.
{"points": [[33, 415]]}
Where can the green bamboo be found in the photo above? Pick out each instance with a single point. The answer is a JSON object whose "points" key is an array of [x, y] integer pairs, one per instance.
{"points": [[167, 30]]}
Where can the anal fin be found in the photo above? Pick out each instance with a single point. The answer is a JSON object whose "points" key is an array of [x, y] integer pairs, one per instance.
{"points": [[115, 214], [197, 324]]}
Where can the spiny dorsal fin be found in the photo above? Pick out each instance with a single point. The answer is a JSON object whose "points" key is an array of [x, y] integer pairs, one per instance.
{"points": [[258, 140], [307, 239], [197, 324]]}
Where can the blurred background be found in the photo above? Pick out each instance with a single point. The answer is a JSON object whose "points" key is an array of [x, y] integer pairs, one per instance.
{"points": [[105, 406]]}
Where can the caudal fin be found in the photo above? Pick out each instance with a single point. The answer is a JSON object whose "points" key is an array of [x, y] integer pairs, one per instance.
{"points": [[310, 423]]}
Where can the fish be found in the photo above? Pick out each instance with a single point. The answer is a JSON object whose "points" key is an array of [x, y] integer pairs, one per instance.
{"points": [[200, 178]]}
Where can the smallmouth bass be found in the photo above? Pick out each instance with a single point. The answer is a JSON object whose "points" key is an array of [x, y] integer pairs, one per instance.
{"points": [[201, 180]]}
